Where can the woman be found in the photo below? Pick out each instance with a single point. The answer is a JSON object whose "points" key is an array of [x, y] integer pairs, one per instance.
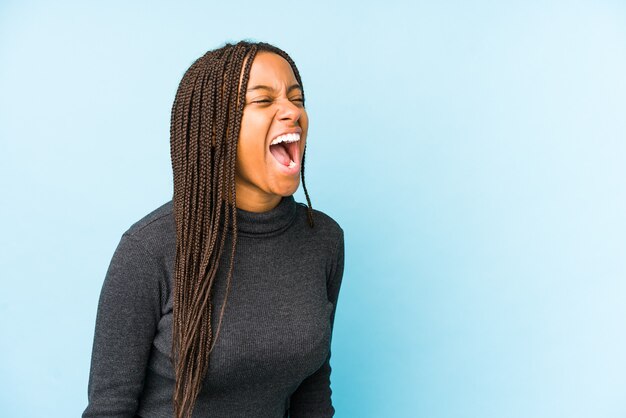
{"points": [[238, 135]]}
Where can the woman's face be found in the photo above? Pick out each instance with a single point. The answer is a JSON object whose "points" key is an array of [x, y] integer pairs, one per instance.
{"points": [[274, 106]]}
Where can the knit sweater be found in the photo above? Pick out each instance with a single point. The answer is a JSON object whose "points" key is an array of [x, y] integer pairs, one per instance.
{"points": [[272, 355]]}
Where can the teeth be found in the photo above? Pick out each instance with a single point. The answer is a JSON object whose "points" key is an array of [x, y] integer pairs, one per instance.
{"points": [[286, 138], [292, 164]]}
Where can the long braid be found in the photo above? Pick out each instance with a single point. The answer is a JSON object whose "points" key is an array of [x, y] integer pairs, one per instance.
{"points": [[205, 124], [306, 193]]}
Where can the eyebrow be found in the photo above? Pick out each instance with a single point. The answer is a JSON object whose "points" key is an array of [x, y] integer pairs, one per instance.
{"points": [[261, 86]]}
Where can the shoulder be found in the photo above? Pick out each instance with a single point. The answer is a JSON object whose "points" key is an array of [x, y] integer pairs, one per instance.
{"points": [[156, 230], [137, 274], [324, 225]]}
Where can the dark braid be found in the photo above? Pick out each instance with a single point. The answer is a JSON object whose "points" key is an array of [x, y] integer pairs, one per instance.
{"points": [[205, 125]]}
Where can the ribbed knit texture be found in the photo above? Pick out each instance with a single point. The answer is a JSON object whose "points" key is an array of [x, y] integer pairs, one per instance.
{"points": [[272, 356]]}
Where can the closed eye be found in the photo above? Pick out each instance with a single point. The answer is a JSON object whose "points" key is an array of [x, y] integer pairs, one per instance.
{"points": [[297, 99]]}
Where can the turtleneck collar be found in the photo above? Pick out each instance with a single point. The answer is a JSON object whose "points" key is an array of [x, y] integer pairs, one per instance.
{"points": [[271, 221]]}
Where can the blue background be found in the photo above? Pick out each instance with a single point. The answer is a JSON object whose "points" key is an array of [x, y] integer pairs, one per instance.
{"points": [[474, 153]]}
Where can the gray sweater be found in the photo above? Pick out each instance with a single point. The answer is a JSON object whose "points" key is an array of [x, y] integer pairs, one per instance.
{"points": [[272, 357]]}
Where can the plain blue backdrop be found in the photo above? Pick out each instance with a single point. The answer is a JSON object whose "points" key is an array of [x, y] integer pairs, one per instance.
{"points": [[473, 151]]}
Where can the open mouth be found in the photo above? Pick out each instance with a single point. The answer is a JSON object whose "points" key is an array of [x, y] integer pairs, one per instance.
{"points": [[285, 149]]}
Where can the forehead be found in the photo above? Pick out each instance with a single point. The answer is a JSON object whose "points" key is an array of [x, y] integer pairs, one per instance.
{"points": [[270, 69]]}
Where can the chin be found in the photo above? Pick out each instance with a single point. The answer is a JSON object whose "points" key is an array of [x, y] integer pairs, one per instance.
{"points": [[287, 189]]}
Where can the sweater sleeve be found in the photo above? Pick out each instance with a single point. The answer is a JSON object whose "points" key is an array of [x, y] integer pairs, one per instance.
{"points": [[126, 321], [312, 399]]}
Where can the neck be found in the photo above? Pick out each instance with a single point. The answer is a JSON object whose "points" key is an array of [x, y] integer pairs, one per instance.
{"points": [[255, 201], [266, 222]]}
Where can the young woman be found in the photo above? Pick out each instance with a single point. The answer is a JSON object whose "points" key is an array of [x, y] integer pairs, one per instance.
{"points": [[221, 302]]}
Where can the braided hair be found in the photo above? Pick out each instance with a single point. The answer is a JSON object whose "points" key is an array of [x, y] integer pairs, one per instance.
{"points": [[205, 124]]}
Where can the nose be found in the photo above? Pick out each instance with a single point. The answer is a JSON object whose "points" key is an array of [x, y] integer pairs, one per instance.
{"points": [[289, 111]]}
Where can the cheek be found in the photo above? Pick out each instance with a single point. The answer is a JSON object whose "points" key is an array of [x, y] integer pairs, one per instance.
{"points": [[304, 124], [304, 120], [252, 138], [254, 127]]}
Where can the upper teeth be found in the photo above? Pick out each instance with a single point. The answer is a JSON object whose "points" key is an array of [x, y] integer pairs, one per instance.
{"points": [[286, 138]]}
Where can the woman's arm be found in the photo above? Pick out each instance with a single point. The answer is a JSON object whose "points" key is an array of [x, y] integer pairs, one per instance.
{"points": [[312, 399], [128, 313]]}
